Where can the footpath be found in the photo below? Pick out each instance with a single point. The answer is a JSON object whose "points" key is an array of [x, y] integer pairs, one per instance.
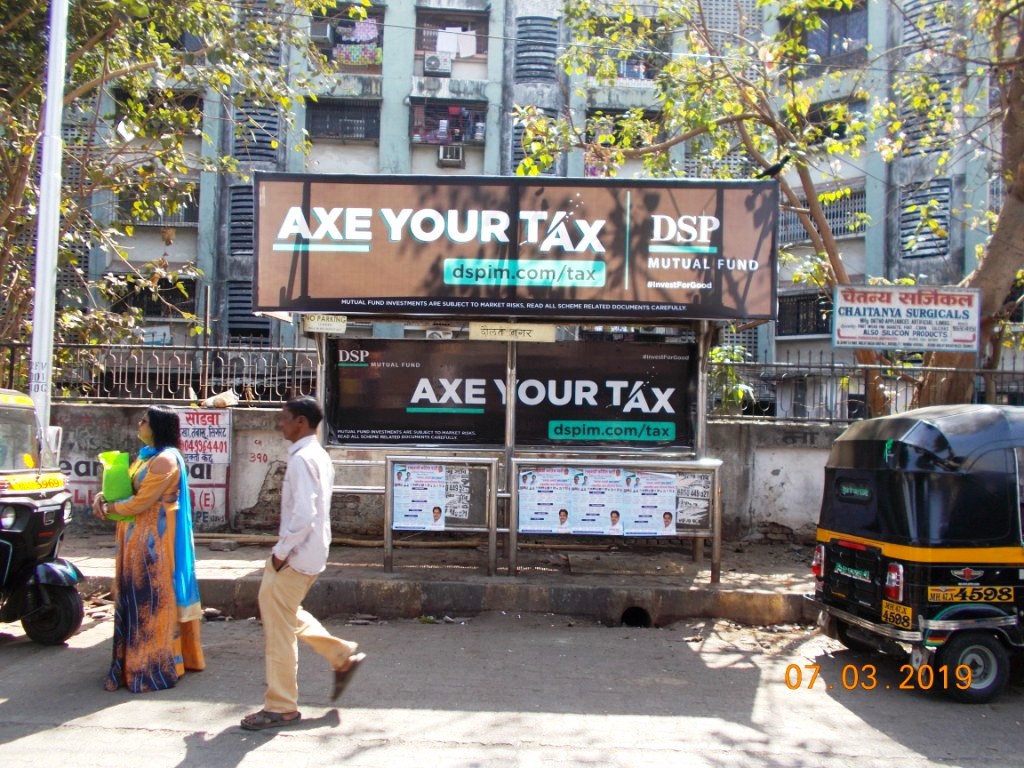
{"points": [[761, 583]]}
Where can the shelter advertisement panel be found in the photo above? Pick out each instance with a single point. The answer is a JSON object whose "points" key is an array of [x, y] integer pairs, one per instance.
{"points": [[388, 391], [613, 501], [513, 247]]}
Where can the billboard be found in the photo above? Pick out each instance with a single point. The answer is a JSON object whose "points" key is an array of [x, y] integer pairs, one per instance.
{"points": [[392, 391], [515, 247]]}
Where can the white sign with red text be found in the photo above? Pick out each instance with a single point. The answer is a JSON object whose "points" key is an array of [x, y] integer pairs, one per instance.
{"points": [[907, 317]]}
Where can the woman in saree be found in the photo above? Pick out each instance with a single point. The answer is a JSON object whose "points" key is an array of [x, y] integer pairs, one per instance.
{"points": [[156, 594]]}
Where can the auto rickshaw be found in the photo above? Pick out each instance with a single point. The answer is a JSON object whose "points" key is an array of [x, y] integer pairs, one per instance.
{"points": [[919, 544], [37, 587]]}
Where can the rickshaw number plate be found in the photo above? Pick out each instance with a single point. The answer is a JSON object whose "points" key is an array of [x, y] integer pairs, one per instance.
{"points": [[899, 615], [970, 594]]}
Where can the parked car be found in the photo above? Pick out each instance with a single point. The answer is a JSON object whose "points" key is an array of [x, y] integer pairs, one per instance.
{"points": [[919, 543]]}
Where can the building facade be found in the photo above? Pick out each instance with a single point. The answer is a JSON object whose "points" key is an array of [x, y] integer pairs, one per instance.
{"points": [[429, 87]]}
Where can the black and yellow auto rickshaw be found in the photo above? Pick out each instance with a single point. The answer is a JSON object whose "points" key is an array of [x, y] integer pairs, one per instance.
{"points": [[920, 544], [37, 586]]}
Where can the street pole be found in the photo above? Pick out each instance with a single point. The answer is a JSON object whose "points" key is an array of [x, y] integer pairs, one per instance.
{"points": [[48, 224]]}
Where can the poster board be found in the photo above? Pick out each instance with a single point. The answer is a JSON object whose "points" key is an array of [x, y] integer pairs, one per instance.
{"points": [[447, 494], [616, 499], [427, 496]]}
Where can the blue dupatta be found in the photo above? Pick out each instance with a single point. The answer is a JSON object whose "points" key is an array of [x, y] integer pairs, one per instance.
{"points": [[186, 586]]}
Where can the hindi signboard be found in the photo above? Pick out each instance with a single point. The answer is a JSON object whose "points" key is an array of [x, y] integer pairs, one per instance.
{"points": [[206, 447], [907, 317]]}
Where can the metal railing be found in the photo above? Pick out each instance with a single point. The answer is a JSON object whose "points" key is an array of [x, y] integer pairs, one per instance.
{"points": [[178, 374], [829, 391], [818, 390]]}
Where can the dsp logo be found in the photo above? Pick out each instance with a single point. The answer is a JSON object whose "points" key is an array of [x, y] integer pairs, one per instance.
{"points": [[353, 356]]}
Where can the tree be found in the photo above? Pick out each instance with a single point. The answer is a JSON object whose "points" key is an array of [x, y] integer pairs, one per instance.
{"points": [[137, 72], [747, 102]]}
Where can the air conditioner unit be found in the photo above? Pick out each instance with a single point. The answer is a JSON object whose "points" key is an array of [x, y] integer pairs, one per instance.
{"points": [[437, 65], [451, 156], [438, 334], [321, 33]]}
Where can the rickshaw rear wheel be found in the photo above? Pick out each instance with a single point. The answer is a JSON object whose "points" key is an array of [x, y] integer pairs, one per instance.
{"points": [[987, 659], [56, 622]]}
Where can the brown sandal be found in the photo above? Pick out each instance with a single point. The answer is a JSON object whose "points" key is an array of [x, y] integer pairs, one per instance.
{"points": [[261, 720], [342, 677]]}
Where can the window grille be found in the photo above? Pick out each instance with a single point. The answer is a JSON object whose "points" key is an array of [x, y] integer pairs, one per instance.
{"points": [[243, 325], [171, 302], [640, 65], [996, 193], [257, 132], [69, 280], [347, 119], [923, 129], [433, 121], [434, 32], [729, 21], [700, 165], [185, 214], [518, 154], [615, 115], [845, 216], [264, 11], [926, 21], [242, 220], [841, 32], [76, 151], [536, 49], [748, 339], [804, 314], [921, 231]]}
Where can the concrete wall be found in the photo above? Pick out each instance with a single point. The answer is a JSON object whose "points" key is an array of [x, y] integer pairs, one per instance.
{"points": [[771, 479]]}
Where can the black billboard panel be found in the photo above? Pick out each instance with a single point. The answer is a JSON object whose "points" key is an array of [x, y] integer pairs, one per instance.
{"points": [[569, 394]]}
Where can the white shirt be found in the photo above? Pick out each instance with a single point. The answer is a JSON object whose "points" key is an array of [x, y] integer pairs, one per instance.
{"points": [[304, 536]]}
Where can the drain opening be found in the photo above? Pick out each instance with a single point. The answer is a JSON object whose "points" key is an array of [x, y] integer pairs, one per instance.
{"points": [[635, 616]]}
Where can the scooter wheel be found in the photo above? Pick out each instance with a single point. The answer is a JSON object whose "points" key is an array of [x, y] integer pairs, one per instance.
{"points": [[987, 659], [56, 620]]}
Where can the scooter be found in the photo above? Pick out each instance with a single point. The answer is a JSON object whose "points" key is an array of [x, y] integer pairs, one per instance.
{"points": [[37, 586]]}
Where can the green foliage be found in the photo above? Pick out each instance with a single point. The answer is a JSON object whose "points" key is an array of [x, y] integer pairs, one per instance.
{"points": [[727, 387], [137, 74], [739, 100]]}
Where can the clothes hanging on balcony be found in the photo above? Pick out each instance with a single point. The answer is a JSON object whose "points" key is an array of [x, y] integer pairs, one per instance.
{"points": [[357, 53]]}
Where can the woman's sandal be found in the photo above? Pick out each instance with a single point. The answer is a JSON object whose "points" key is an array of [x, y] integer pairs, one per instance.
{"points": [[261, 720]]}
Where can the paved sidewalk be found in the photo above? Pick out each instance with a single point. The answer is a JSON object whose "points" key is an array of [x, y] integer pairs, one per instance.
{"points": [[760, 584]]}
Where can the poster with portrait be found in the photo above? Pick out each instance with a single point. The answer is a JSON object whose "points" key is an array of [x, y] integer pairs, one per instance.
{"points": [[651, 507], [605, 493], [418, 493], [545, 500]]}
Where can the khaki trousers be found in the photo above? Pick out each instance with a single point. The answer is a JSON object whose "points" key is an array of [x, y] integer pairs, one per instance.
{"points": [[284, 621]]}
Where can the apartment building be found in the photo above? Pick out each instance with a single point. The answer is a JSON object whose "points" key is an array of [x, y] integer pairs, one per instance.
{"points": [[428, 87]]}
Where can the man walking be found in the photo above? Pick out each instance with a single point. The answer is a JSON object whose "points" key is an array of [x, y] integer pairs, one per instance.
{"points": [[297, 559]]}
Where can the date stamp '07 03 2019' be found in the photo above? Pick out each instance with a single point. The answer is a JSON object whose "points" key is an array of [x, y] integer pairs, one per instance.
{"points": [[864, 677]]}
